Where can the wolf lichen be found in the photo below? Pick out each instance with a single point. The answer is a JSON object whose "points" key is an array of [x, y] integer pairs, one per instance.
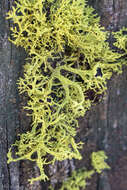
{"points": [[79, 177], [98, 161], [69, 57]]}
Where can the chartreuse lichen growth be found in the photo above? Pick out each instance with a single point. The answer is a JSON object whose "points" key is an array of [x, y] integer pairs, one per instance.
{"points": [[69, 58], [79, 177], [98, 161]]}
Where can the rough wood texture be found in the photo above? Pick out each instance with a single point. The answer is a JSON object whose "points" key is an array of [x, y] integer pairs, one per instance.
{"points": [[103, 127], [109, 123], [10, 64], [113, 12]]}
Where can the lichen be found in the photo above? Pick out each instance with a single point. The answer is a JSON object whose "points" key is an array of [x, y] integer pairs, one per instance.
{"points": [[98, 161], [69, 58], [79, 178]]}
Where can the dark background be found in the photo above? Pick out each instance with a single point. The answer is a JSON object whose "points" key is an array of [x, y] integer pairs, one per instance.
{"points": [[103, 127]]}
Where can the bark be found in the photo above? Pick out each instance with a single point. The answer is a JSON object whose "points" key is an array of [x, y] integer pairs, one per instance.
{"points": [[113, 12], [103, 127], [11, 60]]}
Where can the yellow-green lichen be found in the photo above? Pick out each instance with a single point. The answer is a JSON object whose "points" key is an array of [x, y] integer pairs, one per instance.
{"points": [[68, 59], [98, 161], [79, 177]]}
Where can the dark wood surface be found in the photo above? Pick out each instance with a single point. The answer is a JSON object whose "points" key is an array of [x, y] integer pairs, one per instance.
{"points": [[11, 60], [105, 124]]}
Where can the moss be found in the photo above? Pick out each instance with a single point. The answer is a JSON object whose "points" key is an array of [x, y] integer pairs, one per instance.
{"points": [[68, 57]]}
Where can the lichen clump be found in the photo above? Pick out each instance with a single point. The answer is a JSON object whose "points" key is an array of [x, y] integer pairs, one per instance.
{"points": [[78, 179], [69, 58]]}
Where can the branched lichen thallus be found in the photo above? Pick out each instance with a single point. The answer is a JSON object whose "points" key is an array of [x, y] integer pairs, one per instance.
{"points": [[66, 48]]}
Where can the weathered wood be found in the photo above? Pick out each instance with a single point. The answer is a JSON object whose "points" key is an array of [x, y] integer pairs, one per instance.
{"points": [[5, 54], [113, 12], [108, 120], [11, 60], [110, 117]]}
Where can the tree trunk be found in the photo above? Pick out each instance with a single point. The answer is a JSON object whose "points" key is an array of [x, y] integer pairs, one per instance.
{"points": [[104, 127], [9, 70], [113, 12]]}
